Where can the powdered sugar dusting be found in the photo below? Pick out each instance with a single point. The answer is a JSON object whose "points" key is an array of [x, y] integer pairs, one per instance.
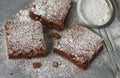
{"points": [[24, 36], [65, 70], [23, 15], [97, 12], [79, 40], [22, 68], [51, 9]]}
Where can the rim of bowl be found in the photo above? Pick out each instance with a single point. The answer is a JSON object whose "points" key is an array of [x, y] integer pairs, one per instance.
{"points": [[82, 19]]}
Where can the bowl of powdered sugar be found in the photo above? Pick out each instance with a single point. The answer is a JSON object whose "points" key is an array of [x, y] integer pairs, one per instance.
{"points": [[96, 13]]}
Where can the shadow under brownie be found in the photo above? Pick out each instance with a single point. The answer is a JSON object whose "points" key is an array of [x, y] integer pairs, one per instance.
{"points": [[51, 13], [25, 39], [79, 45]]}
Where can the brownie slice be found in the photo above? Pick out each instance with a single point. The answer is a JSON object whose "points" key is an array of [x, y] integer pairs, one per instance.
{"points": [[25, 39], [78, 44], [51, 13]]}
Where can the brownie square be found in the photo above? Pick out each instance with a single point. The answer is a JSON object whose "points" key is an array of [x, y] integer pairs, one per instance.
{"points": [[25, 39], [79, 45], [51, 13]]}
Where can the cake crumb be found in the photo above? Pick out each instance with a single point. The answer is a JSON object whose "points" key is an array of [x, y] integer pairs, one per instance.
{"points": [[55, 64], [55, 35], [37, 64]]}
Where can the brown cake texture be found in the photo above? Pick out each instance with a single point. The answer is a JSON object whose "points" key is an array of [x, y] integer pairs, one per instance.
{"points": [[55, 64], [51, 13], [25, 39], [79, 45], [37, 64], [55, 35]]}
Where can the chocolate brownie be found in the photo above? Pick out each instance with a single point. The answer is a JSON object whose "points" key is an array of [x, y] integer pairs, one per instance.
{"points": [[78, 44], [51, 13], [25, 39]]}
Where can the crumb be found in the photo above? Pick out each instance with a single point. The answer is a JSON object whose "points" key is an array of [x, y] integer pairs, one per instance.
{"points": [[37, 64], [55, 35], [55, 64]]}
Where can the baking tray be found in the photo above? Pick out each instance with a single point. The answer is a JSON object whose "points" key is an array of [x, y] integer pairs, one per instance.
{"points": [[101, 67]]}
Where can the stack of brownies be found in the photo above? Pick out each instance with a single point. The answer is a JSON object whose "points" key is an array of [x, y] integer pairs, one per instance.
{"points": [[25, 39]]}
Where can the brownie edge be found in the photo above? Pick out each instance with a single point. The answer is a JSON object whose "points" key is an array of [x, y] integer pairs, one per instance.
{"points": [[83, 66]]}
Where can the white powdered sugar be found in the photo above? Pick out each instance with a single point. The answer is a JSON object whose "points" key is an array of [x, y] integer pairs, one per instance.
{"points": [[22, 68], [25, 35], [23, 15], [65, 70], [79, 40], [97, 12], [52, 9]]}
